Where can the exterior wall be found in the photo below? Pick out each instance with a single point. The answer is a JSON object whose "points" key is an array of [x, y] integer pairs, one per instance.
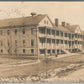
{"points": [[17, 48], [79, 38], [71, 45], [5, 38]]}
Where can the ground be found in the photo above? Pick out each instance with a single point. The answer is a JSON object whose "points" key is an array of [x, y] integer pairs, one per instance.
{"points": [[21, 68]]}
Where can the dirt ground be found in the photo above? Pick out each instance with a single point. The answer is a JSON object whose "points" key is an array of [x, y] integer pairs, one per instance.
{"points": [[22, 68]]}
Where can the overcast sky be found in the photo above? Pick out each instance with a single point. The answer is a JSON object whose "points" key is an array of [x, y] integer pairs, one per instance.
{"points": [[70, 12]]}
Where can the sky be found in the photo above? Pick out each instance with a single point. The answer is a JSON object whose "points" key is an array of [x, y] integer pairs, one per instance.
{"points": [[70, 12]]}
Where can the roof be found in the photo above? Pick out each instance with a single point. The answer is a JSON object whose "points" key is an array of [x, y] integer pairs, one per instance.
{"points": [[22, 21], [61, 28], [82, 32], [72, 28]]}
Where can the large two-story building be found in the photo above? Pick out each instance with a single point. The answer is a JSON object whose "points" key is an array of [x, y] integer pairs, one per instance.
{"points": [[36, 35]]}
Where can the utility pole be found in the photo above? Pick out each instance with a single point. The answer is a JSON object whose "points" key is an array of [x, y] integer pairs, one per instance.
{"points": [[37, 40], [37, 44], [46, 58]]}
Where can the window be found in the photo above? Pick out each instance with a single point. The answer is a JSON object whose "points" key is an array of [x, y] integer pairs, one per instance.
{"points": [[15, 42], [32, 50], [42, 51], [48, 51], [8, 50], [53, 51], [66, 42], [61, 33], [61, 41], [32, 42], [1, 51], [57, 41], [8, 43], [8, 32], [53, 32], [15, 31], [31, 31], [53, 40], [69, 36], [42, 30], [23, 41], [75, 35], [72, 35], [57, 33], [23, 50], [66, 34], [48, 40], [23, 31], [48, 31], [15, 51]]}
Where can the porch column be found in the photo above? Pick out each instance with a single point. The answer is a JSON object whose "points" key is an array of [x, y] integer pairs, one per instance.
{"points": [[46, 42], [55, 44], [51, 41], [37, 43], [71, 46], [59, 46]]}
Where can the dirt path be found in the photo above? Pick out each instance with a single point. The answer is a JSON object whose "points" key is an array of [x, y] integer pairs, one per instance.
{"points": [[26, 70]]}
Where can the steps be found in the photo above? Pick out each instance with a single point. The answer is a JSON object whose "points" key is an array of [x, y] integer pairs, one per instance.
{"points": [[66, 51], [81, 50]]}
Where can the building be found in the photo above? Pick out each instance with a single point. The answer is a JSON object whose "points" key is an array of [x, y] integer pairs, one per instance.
{"points": [[36, 35]]}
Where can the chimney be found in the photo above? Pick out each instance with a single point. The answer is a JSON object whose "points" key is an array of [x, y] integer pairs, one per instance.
{"points": [[33, 13], [56, 22], [63, 24]]}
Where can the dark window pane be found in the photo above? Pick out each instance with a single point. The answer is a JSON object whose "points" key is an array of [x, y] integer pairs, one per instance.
{"points": [[23, 50], [32, 50], [1, 51], [15, 31], [23, 31], [32, 43], [8, 32]]}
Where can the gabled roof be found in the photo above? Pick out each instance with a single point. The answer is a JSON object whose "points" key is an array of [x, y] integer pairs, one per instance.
{"points": [[22, 21], [72, 28], [50, 21]]}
